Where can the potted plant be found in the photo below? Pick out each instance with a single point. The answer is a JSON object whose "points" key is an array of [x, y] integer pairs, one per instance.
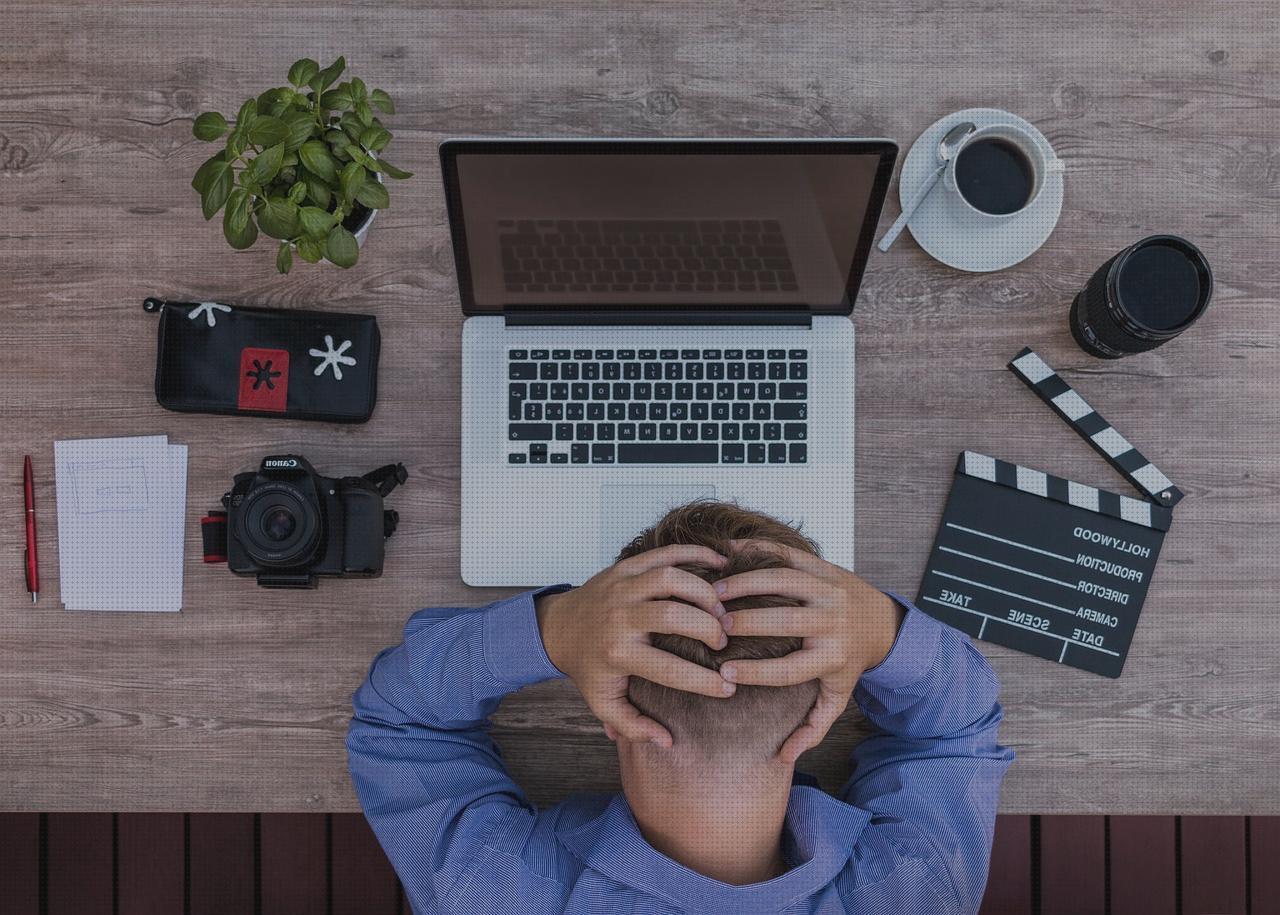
{"points": [[302, 164]]}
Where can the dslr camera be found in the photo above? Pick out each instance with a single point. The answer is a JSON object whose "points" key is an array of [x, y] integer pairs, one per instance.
{"points": [[287, 524]]}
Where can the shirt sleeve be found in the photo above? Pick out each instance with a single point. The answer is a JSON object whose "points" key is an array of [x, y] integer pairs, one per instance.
{"points": [[930, 773], [432, 783]]}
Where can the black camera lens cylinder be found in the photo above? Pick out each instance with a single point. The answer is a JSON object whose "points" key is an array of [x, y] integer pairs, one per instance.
{"points": [[1143, 297], [279, 525]]}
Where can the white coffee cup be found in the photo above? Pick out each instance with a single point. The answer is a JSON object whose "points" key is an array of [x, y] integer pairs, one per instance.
{"points": [[1042, 162]]}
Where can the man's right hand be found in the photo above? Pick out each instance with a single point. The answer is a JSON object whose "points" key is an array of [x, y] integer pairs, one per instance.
{"points": [[847, 627], [598, 635]]}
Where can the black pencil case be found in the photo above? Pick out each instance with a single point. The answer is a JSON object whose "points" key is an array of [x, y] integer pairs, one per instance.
{"points": [[291, 364]]}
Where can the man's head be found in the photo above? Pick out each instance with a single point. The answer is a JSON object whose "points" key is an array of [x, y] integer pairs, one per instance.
{"points": [[752, 724]]}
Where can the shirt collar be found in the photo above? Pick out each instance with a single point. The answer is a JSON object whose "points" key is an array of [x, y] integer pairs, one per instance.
{"points": [[820, 833]]}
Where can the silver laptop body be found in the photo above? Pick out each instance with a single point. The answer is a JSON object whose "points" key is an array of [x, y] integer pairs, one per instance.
{"points": [[652, 322]]}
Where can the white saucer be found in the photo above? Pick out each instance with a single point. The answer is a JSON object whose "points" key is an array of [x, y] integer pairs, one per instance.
{"points": [[942, 227]]}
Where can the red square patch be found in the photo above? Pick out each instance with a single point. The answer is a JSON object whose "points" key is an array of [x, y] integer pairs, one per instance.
{"points": [[264, 379]]}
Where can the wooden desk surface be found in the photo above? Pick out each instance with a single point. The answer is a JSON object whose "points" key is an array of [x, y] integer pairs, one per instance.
{"points": [[1165, 114]]}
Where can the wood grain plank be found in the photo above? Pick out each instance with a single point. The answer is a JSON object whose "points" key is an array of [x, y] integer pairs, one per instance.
{"points": [[294, 866], [1264, 873], [81, 855], [241, 702], [1009, 874], [150, 863], [221, 863], [20, 854], [361, 876], [1073, 864], [1213, 865], [1144, 865]]}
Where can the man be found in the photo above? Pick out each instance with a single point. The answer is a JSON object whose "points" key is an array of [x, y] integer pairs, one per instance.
{"points": [[716, 651]]}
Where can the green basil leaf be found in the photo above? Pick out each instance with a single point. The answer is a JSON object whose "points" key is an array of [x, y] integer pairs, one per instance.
{"points": [[364, 113], [267, 164], [382, 101], [311, 250], [300, 74], [235, 143], [238, 206], [300, 125], [341, 248], [241, 239], [284, 257], [206, 170], [390, 170], [338, 99], [375, 138], [351, 125], [359, 155], [351, 179], [216, 189], [373, 195], [279, 218], [330, 73], [209, 126], [316, 222], [318, 190], [267, 131], [248, 111], [316, 157], [358, 91], [298, 192]]}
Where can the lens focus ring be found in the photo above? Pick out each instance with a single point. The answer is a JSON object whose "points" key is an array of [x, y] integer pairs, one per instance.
{"points": [[279, 526]]}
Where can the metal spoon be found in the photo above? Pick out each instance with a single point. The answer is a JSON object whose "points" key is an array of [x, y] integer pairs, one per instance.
{"points": [[947, 150]]}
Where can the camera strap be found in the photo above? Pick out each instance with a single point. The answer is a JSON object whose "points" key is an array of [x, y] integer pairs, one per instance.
{"points": [[387, 477]]}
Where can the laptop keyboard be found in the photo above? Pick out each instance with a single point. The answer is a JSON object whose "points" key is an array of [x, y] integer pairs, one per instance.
{"points": [[646, 255], [657, 406]]}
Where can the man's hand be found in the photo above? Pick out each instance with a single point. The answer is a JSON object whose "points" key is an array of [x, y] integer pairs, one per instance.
{"points": [[847, 625], [598, 635]]}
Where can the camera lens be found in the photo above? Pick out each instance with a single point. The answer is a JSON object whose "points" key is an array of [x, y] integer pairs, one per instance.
{"points": [[278, 524], [1143, 297]]}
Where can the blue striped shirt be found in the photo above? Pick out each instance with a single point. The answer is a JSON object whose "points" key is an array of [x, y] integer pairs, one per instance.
{"points": [[909, 832]]}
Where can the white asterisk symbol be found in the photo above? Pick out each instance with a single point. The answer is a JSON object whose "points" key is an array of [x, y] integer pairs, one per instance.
{"points": [[207, 309], [332, 357]]}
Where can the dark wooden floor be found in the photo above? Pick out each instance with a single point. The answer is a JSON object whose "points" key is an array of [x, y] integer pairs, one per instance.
{"points": [[330, 864]]}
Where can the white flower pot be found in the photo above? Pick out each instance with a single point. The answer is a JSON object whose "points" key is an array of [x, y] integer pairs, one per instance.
{"points": [[363, 229]]}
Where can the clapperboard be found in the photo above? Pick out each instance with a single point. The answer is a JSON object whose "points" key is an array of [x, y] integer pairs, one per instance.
{"points": [[1046, 565]]}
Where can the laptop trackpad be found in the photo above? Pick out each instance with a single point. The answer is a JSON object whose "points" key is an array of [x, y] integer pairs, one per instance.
{"points": [[626, 509]]}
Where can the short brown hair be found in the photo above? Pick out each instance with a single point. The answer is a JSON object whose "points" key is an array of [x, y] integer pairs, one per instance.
{"points": [[755, 720]]}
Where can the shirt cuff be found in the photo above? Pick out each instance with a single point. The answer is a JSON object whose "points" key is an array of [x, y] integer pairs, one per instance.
{"points": [[513, 646], [913, 652]]}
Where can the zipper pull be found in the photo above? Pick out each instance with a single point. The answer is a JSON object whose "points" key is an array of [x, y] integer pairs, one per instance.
{"points": [[152, 305]]}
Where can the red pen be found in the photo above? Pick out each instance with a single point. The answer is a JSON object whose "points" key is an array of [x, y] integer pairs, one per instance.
{"points": [[29, 500]]}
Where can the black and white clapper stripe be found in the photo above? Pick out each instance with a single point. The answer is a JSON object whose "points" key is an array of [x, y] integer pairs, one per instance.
{"points": [[1047, 486], [1099, 433]]}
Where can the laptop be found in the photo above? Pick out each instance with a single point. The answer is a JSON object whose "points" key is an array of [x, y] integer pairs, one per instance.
{"points": [[650, 322]]}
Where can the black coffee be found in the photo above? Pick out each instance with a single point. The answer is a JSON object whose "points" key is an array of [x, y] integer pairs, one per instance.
{"points": [[995, 176], [1159, 285]]}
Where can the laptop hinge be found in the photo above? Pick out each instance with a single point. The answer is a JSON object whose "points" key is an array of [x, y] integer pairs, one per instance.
{"points": [[574, 315]]}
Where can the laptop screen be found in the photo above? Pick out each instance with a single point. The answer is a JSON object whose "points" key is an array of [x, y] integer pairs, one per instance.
{"points": [[663, 224]]}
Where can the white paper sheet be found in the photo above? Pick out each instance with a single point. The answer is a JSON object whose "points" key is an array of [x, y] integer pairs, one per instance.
{"points": [[121, 507]]}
